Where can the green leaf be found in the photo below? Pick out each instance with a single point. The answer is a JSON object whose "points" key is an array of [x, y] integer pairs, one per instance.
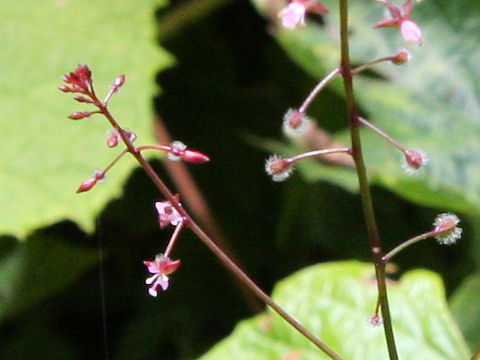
{"points": [[466, 311], [45, 156], [334, 300], [37, 269], [431, 103]]}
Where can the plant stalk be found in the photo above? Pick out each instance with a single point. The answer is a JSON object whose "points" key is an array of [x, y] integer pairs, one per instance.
{"points": [[365, 194], [227, 262]]}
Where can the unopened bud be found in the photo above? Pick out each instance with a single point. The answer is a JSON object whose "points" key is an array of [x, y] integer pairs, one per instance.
{"points": [[83, 99], [401, 57], [118, 83], [80, 115], [112, 138], [194, 156], [65, 88], [87, 185], [414, 160]]}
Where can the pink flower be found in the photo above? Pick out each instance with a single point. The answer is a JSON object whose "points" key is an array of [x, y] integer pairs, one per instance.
{"points": [[294, 14], [167, 214], [400, 17], [160, 267]]}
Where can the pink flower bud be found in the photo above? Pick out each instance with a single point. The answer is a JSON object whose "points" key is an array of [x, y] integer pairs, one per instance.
{"points": [[87, 185], [194, 156], [80, 115], [118, 83], [113, 138], [414, 160], [83, 99], [411, 32], [401, 57], [65, 88]]}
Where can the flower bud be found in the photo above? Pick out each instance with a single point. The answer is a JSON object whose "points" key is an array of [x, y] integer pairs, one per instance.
{"points": [[83, 99], [401, 57], [414, 160], [113, 138], [118, 83], [194, 156], [87, 185], [80, 115]]}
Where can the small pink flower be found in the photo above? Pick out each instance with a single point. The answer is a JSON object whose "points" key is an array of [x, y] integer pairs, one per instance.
{"points": [[160, 267], [167, 214], [400, 18], [294, 14]]}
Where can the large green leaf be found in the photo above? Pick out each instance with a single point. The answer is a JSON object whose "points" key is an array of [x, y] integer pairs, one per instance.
{"points": [[431, 103], [333, 300], [466, 311], [46, 156]]}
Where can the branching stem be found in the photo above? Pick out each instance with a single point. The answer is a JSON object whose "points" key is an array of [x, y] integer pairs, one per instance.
{"points": [[189, 222]]}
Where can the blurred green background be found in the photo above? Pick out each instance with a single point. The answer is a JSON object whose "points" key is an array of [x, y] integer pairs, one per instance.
{"points": [[71, 271]]}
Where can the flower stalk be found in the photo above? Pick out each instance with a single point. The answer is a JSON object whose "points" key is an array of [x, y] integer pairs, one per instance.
{"points": [[365, 194]]}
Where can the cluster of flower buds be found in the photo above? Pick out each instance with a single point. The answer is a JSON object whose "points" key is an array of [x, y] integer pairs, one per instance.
{"points": [[169, 212], [80, 81]]}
